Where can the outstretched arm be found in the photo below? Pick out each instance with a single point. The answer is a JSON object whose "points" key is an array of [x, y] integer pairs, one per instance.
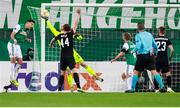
{"points": [[51, 27], [53, 30], [53, 40], [124, 49], [77, 20], [121, 54]]}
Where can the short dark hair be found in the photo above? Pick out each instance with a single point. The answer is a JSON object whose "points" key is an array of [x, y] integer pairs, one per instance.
{"points": [[66, 27], [140, 26], [162, 29], [31, 20], [127, 36]]}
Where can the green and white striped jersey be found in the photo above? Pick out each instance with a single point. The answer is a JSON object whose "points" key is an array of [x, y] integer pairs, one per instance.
{"points": [[127, 48], [21, 33]]}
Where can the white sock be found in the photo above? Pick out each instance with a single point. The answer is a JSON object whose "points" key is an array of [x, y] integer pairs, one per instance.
{"points": [[129, 83], [17, 67], [12, 71]]}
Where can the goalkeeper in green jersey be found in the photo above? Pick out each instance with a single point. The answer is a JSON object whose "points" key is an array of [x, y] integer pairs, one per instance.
{"points": [[78, 59], [130, 59], [18, 36]]}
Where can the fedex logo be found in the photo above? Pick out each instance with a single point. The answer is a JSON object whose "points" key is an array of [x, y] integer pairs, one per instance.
{"points": [[33, 80]]}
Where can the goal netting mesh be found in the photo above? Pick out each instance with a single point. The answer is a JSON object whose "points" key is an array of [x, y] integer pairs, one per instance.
{"points": [[102, 29]]}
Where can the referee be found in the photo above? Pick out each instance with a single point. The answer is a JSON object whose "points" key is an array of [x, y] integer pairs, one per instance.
{"points": [[145, 49]]}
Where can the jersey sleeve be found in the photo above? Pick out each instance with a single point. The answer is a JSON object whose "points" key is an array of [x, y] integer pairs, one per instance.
{"points": [[17, 28], [125, 47], [137, 43], [53, 30], [58, 37]]}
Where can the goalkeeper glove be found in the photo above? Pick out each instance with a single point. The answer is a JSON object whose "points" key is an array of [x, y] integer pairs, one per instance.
{"points": [[44, 17], [78, 37]]}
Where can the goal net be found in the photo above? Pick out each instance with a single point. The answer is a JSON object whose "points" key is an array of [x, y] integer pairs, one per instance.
{"points": [[102, 27]]}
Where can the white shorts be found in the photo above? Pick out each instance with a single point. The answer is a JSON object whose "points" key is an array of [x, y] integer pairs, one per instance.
{"points": [[130, 69], [14, 50]]}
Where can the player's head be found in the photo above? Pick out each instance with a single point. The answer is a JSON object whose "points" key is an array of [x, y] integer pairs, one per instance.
{"points": [[162, 30], [140, 26], [29, 24], [126, 36], [66, 28]]}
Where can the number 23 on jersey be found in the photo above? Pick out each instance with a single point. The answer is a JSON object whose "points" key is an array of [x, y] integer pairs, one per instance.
{"points": [[161, 45]]}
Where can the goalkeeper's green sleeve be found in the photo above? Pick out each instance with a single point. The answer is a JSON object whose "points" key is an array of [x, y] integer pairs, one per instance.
{"points": [[90, 70], [78, 37], [53, 30]]}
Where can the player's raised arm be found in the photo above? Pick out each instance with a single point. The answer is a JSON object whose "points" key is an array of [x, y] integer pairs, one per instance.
{"points": [[45, 15], [51, 27], [77, 20]]}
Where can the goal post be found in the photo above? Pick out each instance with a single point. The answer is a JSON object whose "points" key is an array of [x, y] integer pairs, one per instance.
{"points": [[102, 26]]}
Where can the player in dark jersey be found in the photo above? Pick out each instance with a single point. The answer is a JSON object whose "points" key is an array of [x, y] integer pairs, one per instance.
{"points": [[162, 60], [67, 58], [145, 48]]}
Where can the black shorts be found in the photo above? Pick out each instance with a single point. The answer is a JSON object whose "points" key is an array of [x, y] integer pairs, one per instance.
{"points": [[145, 61], [67, 61], [162, 66]]}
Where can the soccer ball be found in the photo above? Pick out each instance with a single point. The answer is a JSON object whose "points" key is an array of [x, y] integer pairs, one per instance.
{"points": [[45, 13]]}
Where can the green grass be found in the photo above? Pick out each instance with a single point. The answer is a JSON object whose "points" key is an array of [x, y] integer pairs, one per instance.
{"points": [[89, 100]]}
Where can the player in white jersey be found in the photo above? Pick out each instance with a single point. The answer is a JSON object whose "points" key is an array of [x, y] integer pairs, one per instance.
{"points": [[18, 36]]}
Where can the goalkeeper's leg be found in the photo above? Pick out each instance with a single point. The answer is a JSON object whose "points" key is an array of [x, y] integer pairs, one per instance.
{"points": [[91, 72], [80, 60]]}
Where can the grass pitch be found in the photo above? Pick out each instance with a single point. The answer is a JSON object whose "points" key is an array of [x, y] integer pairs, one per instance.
{"points": [[89, 100]]}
